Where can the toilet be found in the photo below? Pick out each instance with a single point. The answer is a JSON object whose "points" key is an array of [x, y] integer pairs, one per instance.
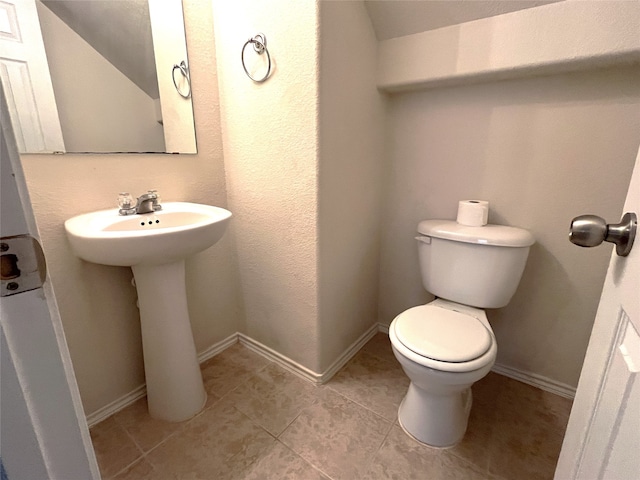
{"points": [[447, 345]]}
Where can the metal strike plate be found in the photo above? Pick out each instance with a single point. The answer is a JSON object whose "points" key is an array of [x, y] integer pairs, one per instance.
{"points": [[22, 264]]}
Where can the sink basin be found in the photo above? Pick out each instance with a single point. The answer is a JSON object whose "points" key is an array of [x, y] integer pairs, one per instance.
{"points": [[178, 230], [155, 245]]}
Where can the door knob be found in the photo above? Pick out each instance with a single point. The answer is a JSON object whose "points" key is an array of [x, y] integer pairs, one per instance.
{"points": [[591, 230]]}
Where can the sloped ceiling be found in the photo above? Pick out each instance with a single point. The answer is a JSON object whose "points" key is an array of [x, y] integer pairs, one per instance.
{"points": [[119, 30], [397, 18]]}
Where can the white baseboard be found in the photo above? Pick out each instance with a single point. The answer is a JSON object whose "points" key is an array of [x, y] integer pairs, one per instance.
{"points": [[543, 383], [267, 352], [115, 406], [302, 371], [279, 359], [294, 367], [216, 348], [349, 353]]}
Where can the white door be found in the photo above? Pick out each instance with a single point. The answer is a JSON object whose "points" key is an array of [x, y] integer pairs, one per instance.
{"points": [[603, 436], [43, 430], [24, 72]]}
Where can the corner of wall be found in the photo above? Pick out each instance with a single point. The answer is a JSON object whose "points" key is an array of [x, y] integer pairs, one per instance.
{"points": [[270, 141], [350, 165]]}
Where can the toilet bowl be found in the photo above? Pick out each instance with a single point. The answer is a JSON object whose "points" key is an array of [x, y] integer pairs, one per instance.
{"points": [[444, 348]]}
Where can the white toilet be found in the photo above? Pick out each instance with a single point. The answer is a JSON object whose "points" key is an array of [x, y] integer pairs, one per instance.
{"points": [[447, 345]]}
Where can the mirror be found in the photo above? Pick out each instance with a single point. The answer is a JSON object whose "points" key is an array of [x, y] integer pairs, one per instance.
{"points": [[97, 76]]}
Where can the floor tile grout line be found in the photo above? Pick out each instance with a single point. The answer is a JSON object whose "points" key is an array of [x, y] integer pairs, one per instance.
{"points": [[314, 403], [255, 460], [305, 459], [140, 450], [255, 421], [315, 467], [291, 423], [278, 441], [360, 405], [180, 428], [126, 431], [253, 373], [141, 457], [276, 438], [374, 454]]}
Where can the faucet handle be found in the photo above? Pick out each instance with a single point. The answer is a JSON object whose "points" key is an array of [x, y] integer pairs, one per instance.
{"points": [[126, 204], [125, 200], [156, 201]]}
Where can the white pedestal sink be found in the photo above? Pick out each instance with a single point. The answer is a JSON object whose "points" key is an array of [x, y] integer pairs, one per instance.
{"points": [[155, 245]]}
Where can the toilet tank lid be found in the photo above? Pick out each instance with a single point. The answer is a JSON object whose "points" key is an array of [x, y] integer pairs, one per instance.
{"points": [[498, 235]]}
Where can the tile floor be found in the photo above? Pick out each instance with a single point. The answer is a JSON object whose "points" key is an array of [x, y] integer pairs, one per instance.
{"points": [[262, 422]]}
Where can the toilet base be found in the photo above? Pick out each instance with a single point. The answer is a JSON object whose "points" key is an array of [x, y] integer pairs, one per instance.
{"points": [[435, 420]]}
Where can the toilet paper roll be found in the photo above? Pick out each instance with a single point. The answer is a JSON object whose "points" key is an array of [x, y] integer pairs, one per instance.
{"points": [[473, 213]]}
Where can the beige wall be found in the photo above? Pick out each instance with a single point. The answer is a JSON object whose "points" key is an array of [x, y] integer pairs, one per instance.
{"points": [[350, 177], [271, 157], [541, 150], [97, 303], [90, 122]]}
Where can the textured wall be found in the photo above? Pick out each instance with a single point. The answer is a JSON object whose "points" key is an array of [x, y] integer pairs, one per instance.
{"points": [[97, 303], [542, 151], [351, 173], [270, 136]]}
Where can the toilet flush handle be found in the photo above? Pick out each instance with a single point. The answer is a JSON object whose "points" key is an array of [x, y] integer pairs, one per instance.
{"points": [[424, 239], [591, 231]]}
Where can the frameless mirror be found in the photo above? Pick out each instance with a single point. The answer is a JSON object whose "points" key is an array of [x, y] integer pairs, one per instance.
{"points": [[97, 76]]}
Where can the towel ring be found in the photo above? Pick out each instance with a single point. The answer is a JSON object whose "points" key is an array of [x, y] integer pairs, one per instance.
{"points": [[184, 70], [260, 46]]}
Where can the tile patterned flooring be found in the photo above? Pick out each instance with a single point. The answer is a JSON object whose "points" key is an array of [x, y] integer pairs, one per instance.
{"points": [[262, 422]]}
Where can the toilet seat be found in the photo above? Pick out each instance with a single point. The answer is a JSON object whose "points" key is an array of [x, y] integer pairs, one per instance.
{"points": [[443, 338], [442, 334]]}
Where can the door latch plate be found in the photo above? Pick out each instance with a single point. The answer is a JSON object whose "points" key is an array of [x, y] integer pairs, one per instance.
{"points": [[22, 264]]}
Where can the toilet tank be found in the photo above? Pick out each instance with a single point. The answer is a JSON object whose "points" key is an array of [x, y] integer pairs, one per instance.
{"points": [[476, 266]]}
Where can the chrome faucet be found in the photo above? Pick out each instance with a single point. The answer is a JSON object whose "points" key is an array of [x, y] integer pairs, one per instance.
{"points": [[146, 203]]}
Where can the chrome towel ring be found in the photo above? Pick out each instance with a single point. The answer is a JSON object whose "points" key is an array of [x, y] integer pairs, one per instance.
{"points": [[184, 70], [260, 46]]}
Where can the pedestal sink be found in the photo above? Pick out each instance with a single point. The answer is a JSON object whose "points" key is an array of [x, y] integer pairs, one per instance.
{"points": [[155, 245]]}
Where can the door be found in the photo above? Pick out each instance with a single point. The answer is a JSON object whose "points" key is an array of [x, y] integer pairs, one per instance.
{"points": [[24, 72], [43, 430], [602, 440]]}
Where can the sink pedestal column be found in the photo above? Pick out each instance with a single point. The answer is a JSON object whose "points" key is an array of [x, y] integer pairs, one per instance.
{"points": [[175, 391]]}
